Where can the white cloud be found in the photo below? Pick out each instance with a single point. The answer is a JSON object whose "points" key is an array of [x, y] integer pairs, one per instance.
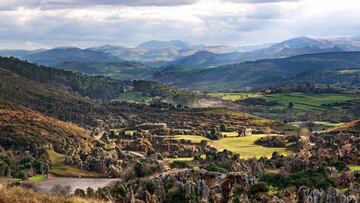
{"points": [[93, 22]]}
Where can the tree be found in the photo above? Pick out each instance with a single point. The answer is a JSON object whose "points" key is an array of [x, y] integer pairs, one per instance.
{"points": [[291, 105], [119, 190], [80, 193], [222, 127]]}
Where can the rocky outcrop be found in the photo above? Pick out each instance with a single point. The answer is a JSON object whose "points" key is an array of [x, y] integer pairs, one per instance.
{"points": [[331, 195]]}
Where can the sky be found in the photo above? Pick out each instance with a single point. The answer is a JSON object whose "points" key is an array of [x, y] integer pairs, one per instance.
{"points": [[33, 24]]}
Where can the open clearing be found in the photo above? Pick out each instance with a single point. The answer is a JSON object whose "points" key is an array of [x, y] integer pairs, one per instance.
{"points": [[354, 167], [233, 96], [308, 102], [317, 125], [63, 170], [241, 145]]}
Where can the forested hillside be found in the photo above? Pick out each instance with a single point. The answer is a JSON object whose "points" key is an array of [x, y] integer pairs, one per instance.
{"points": [[262, 73]]}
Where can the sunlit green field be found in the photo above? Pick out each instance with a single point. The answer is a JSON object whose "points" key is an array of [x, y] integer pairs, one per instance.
{"points": [[61, 169], [242, 145], [306, 102], [318, 125], [354, 167], [229, 134], [233, 96]]}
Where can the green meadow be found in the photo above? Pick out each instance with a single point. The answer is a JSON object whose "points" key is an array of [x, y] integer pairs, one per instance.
{"points": [[61, 169], [308, 102], [233, 96], [240, 145]]}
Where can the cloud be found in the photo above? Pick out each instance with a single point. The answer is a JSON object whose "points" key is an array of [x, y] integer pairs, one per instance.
{"points": [[260, 1], [60, 4], [206, 21]]}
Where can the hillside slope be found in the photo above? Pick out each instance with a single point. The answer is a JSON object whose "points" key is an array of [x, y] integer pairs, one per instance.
{"points": [[259, 73], [26, 129]]}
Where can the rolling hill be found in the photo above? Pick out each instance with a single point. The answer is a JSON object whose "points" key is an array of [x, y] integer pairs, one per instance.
{"points": [[57, 56], [287, 48], [260, 73], [26, 129]]}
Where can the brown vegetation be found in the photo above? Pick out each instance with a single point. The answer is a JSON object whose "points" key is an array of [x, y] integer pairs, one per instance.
{"points": [[19, 195]]}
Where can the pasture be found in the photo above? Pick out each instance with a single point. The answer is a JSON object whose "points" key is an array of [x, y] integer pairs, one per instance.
{"points": [[241, 145], [308, 102], [354, 167], [233, 96], [61, 169]]}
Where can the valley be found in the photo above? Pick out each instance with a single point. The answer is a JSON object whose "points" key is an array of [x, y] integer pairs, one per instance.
{"points": [[97, 129]]}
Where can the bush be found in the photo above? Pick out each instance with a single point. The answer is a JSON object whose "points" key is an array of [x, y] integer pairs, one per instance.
{"points": [[310, 178], [119, 189], [339, 165], [258, 188], [150, 186], [80, 193], [145, 169], [216, 168], [20, 175], [179, 164]]}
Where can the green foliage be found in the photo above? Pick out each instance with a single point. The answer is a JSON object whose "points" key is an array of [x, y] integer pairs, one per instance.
{"points": [[93, 87], [150, 186], [142, 169], [20, 175], [310, 178], [339, 165], [216, 168], [165, 91], [179, 164], [258, 188], [223, 127], [80, 193], [119, 189]]}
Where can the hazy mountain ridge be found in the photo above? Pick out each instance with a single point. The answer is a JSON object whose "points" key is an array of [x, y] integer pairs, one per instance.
{"points": [[259, 73], [291, 47], [175, 52]]}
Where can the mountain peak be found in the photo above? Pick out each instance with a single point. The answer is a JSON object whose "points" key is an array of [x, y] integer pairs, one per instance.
{"points": [[156, 44]]}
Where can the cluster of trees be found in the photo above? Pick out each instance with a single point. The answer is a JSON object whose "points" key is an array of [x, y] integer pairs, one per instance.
{"points": [[313, 88], [316, 178], [23, 168], [94, 87], [157, 89]]}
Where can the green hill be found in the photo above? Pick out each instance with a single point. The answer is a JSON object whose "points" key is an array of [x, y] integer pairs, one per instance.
{"points": [[261, 73]]}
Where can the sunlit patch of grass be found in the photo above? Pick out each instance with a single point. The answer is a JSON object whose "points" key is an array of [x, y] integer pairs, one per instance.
{"points": [[37, 178], [244, 146], [11, 195], [354, 167], [61, 169], [193, 138], [230, 134], [308, 102], [233, 96]]}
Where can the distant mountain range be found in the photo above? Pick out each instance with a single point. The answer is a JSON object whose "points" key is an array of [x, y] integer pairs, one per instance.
{"points": [[204, 67], [180, 53], [342, 67], [292, 47]]}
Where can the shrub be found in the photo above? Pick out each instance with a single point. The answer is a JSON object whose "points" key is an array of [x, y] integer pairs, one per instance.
{"points": [[216, 168], [310, 178], [258, 188], [339, 165], [179, 164], [119, 189], [80, 193], [150, 186], [20, 175]]}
